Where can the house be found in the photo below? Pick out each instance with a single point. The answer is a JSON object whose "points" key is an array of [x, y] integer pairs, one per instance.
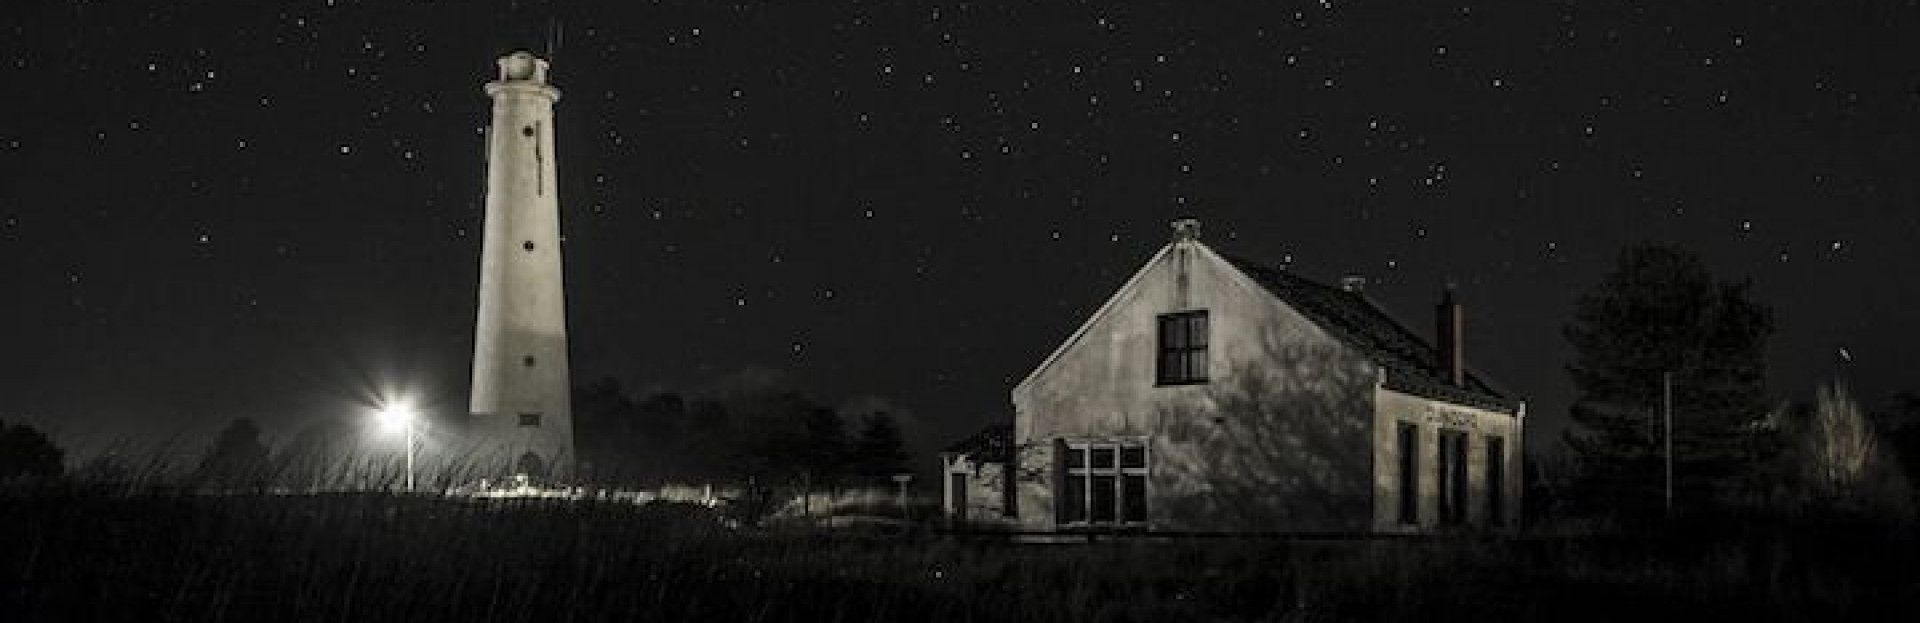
{"points": [[1213, 394]]}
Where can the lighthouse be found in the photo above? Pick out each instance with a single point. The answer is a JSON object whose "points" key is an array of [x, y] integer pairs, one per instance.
{"points": [[521, 416]]}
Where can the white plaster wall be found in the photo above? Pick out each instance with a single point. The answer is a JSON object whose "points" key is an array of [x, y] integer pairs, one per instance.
{"points": [[522, 312], [1277, 440], [986, 492], [1431, 416]]}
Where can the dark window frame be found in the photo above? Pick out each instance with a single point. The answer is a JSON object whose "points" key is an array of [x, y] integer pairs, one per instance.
{"points": [[1496, 474], [1124, 480], [1409, 474], [1181, 344], [1450, 469]]}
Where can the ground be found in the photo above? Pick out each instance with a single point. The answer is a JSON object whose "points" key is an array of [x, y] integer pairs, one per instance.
{"points": [[75, 556]]}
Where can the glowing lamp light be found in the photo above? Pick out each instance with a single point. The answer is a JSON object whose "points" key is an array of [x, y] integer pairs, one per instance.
{"points": [[395, 417], [400, 416]]}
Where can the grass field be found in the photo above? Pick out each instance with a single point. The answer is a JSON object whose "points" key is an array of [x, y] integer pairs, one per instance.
{"points": [[375, 558]]}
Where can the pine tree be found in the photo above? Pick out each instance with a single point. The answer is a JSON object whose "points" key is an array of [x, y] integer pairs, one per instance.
{"points": [[1661, 312]]}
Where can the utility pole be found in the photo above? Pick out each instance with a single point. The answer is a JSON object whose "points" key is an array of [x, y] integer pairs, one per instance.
{"points": [[1666, 400]]}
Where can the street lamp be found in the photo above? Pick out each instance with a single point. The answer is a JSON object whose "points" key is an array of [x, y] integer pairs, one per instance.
{"points": [[401, 415]]}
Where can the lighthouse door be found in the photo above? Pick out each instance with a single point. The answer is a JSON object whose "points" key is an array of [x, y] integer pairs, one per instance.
{"points": [[532, 467]]}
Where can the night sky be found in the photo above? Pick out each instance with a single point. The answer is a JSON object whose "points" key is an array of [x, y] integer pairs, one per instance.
{"points": [[221, 209]]}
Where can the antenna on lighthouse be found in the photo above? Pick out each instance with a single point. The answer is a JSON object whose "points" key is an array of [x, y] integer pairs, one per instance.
{"points": [[556, 35]]}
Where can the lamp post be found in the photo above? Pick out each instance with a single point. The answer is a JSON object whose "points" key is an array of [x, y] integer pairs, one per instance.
{"points": [[902, 479], [401, 415]]}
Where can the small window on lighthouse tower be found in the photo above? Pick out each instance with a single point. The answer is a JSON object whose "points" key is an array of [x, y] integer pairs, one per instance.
{"points": [[526, 131], [530, 419], [528, 245], [527, 361]]}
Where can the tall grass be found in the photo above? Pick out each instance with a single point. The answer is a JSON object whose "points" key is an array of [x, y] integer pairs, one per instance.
{"points": [[369, 557]]}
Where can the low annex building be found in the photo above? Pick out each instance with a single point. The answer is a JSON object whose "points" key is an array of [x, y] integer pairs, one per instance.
{"points": [[1213, 394]]}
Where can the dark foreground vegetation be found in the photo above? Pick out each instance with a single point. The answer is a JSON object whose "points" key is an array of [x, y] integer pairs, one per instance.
{"points": [[378, 557]]}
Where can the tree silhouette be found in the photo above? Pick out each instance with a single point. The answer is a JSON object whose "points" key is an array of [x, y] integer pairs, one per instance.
{"points": [[877, 451], [824, 454], [236, 460], [1660, 312], [1899, 423], [608, 440], [25, 452]]}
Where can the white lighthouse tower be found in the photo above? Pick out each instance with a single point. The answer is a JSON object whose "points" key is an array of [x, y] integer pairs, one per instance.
{"points": [[522, 419]]}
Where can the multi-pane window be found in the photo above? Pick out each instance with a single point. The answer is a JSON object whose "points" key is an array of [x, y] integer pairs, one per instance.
{"points": [[1409, 473], [1496, 481], [1103, 484], [1451, 462], [1183, 348]]}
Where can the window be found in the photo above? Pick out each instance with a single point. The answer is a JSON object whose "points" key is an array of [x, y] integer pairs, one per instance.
{"points": [[1451, 461], [530, 419], [1409, 474], [1103, 484], [1183, 348], [1496, 481]]}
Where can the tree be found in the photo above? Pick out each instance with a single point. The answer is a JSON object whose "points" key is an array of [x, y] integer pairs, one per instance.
{"points": [[1899, 423], [25, 452], [770, 442], [824, 442], [604, 420], [236, 460], [1661, 312], [1839, 445], [877, 451], [1832, 458]]}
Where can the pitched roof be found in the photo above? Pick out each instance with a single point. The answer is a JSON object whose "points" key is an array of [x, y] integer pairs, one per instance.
{"points": [[1413, 366], [993, 444]]}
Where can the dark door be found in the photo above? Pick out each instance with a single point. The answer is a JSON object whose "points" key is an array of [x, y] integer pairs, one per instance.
{"points": [[531, 466], [957, 482]]}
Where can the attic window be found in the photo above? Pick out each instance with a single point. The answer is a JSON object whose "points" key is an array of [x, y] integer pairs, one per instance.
{"points": [[1183, 349]]}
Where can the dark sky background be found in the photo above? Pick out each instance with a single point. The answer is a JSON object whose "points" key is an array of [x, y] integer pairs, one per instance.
{"points": [[224, 209]]}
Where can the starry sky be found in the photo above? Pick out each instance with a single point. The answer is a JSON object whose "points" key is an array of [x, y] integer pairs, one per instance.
{"points": [[222, 209]]}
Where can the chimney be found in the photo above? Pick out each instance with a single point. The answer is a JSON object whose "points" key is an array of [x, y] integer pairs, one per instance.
{"points": [[1449, 336], [1185, 229], [1353, 282]]}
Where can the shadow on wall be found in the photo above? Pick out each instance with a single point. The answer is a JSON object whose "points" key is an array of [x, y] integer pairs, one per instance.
{"points": [[1279, 443]]}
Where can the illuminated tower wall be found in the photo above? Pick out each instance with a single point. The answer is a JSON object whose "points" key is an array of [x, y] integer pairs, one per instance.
{"points": [[520, 403]]}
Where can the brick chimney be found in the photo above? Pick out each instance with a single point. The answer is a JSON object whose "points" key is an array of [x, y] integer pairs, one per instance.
{"points": [[1449, 338], [1185, 228]]}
